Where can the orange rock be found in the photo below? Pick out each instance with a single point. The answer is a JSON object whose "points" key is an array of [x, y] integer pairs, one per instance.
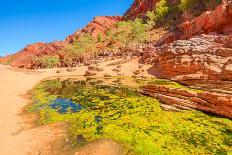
{"points": [[205, 55], [99, 25], [140, 8], [218, 20]]}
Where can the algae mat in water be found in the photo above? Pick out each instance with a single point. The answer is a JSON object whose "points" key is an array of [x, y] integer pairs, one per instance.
{"points": [[96, 110]]}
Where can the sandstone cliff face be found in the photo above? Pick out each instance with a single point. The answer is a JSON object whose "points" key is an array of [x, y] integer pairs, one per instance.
{"points": [[201, 57], [140, 8], [218, 20], [99, 25], [24, 58], [205, 56], [199, 53]]}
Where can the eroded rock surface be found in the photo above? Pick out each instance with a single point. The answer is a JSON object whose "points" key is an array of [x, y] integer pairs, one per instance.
{"points": [[211, 102], [204, 57], [140, 8], [99, 25]]}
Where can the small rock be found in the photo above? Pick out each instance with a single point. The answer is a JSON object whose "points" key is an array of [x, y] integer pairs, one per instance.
{"points": [[71, 69], [140, 66], [116, 70], [107, 75], [59, 71], [90, 73], [137, 72], [95, 68], [119, 66]]}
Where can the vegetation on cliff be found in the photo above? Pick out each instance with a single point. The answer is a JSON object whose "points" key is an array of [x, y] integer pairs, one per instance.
{"points": [[169, 13]]}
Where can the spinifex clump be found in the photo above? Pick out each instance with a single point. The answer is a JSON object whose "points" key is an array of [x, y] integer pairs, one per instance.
{"points": [[97, 110]]}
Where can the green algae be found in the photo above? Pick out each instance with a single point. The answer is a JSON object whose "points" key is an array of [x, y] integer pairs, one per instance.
{"points": [[120, 113]]}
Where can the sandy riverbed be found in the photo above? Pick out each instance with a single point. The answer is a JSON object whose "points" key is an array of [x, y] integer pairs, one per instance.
{"points": [[16, 136]]}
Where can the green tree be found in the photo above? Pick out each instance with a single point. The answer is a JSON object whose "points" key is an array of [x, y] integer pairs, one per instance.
{"points": [[99, 37], [161, 10], [139, 31], [151, 19], [82, 48], [47, 61]]}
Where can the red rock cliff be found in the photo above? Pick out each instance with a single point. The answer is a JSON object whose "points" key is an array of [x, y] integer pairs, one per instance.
{"points": [[218, 20], [140, 7], [99, 24]]}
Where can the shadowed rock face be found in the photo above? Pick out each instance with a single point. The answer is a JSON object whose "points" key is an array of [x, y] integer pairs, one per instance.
{"points": [[24, 58]]}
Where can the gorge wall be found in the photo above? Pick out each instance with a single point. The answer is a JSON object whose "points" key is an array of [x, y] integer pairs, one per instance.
{"points": [[198, 53]]}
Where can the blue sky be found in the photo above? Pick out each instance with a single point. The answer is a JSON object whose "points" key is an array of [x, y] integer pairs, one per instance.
{"points": [[24, 22]]}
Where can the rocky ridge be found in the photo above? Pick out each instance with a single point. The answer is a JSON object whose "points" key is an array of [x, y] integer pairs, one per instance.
{"points": [[99, 25], [23, 59]]}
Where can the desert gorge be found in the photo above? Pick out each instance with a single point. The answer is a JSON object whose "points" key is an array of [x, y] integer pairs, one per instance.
{"points": [[155, 80]]}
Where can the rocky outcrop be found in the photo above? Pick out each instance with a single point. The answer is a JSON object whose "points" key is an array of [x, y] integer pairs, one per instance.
{"points": [[99, 25], [139, 8], [24, 58], [210, 102], [204, 57]]}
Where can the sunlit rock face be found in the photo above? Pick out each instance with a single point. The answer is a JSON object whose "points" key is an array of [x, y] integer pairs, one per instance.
{"points": [[99, 25], [205, 57], [201, 49], [140, 7], [218, 20], [24, 58]]}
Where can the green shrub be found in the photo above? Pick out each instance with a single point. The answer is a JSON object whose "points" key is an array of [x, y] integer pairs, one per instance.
{"points": [[151, 19], [85, 46], [161, 10], [47, 61], [129, 33], [186, 5]]}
